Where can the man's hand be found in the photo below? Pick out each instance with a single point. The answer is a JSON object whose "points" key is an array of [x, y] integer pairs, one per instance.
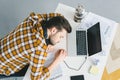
{"points": [[59, 56], [50, 48]]}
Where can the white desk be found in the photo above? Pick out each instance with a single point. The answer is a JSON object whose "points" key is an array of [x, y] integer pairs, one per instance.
{"points": [[107, 38]]}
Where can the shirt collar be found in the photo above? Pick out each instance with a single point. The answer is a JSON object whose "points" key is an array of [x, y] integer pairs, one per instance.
{"points": [[46, 35], [45, 32]]}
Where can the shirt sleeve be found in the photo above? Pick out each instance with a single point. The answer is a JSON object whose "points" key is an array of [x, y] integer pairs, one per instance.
{"points": [[50, 15], [39, 17], [38, 71]]}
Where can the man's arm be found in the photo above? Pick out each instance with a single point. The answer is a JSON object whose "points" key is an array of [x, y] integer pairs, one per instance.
{"points": [[40, 17], [60, 56], [38, 71]]}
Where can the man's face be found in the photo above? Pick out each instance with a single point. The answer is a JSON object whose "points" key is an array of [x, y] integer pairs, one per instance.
{"points": [[57, 36]]}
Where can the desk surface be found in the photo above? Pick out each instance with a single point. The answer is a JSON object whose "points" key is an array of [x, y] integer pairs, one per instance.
{"points": [[106, 36], [108, 29]]}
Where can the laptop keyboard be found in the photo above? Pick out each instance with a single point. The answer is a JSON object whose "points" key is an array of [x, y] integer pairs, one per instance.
{"points": [[81, 42]]}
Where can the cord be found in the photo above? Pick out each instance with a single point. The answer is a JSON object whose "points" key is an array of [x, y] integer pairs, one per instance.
{"points": [[74, 68]]}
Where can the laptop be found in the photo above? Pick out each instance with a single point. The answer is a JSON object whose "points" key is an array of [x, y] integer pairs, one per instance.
{"points": [[84, 42]]}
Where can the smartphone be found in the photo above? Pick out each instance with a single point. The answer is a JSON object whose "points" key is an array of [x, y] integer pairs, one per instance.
{"points": [[77, 77]]}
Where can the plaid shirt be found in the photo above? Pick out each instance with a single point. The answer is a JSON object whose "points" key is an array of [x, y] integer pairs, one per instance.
{"points": [[26, 45]]}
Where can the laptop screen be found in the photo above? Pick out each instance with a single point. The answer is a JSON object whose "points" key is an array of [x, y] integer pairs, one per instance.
{"points": [[94, 39]]}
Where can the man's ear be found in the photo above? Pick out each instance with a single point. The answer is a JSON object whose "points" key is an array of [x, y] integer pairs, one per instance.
{"points": [[53, 30]]}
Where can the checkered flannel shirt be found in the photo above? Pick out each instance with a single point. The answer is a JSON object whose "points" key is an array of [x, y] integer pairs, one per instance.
{"points": [[26, 45]]}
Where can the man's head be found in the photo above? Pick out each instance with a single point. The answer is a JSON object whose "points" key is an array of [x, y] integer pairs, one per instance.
{"points": [[57, 27]]}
